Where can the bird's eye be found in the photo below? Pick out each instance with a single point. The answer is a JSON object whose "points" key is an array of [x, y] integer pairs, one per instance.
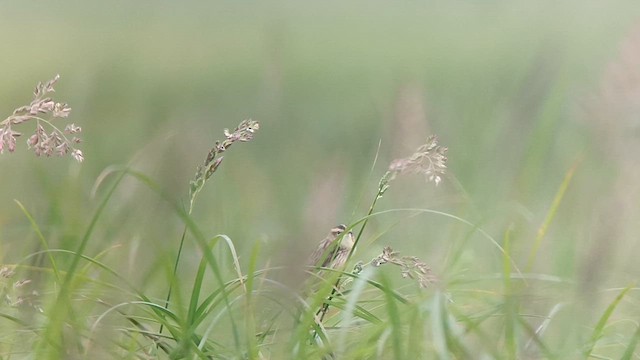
{"points": [[338, 230]]}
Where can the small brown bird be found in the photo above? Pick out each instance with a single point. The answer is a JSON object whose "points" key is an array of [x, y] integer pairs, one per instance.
{"points": [[333, 251]]}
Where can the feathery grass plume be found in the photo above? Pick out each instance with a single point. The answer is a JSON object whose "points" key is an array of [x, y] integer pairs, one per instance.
{"points": [[411, 266], [57, 141], [243, 133], [429, 159]]}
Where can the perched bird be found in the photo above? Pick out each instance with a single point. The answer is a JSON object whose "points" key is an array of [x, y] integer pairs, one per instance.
{"points": [[333, 250]]}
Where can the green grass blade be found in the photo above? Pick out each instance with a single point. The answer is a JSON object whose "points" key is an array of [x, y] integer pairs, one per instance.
{"points": [[536, 338], [193, 313], [159, 311], [43, 241], [450, 216], [557, 200], [540, 330], [472, 326], [438, 328], [199, 239], [250, 323], [13, 319], [510, 307], [599, 328], [189, 327], [631, 347], [394, 318], [174, 272], [61, 307]]}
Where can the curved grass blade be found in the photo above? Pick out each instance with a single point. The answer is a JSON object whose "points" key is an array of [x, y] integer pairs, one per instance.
{"points": [[536, 338], [510, 305], [631, 348], [557, 200], [198, 237], [599, 328], [43, 241], [53, 329], [459, 219], [394, 318]]}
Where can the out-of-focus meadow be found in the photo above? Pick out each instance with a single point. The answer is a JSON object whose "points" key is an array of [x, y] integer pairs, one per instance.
{"points": [[520, 92]]}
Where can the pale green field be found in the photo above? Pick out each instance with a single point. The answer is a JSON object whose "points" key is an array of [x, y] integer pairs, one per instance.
{"points": [[538, 103]]}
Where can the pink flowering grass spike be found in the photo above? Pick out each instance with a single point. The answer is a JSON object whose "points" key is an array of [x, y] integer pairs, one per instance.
{"points": [[43, 111]]}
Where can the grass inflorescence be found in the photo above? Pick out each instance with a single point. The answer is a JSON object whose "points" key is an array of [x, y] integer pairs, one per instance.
{"points": [[56, 142]]}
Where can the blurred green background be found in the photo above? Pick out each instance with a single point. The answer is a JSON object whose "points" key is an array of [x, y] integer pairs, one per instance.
{"points": [[520, 92]]}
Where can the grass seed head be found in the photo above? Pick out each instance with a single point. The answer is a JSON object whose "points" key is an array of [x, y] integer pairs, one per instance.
{"points": [[244, 132], [429, 159], [42, 143], [411, 267]]}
